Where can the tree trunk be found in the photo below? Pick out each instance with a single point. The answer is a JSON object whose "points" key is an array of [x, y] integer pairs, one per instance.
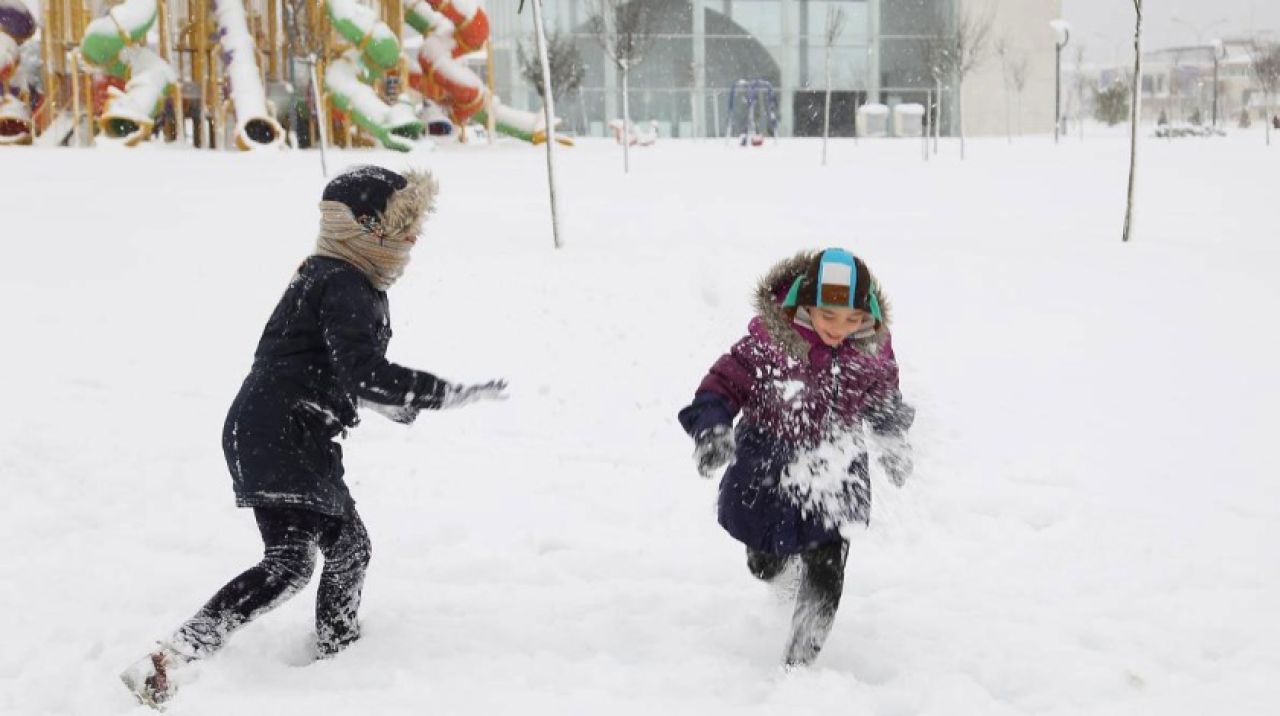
{"points": [[960, 113], [1135, 112], [937, 117], [826, 110], [1266, 115], [548, 108], [1008, 113], [926, 129], [626, 121], [694, 124], [715, 114]]}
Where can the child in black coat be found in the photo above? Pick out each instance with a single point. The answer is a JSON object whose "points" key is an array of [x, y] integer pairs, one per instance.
{"points": [[321, 355]]}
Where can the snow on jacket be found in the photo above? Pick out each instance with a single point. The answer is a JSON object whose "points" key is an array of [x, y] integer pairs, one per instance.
{"points": [[323, 350], [800, 471]]}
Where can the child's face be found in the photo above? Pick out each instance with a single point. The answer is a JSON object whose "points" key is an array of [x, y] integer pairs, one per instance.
{"points": [[833, 325]]}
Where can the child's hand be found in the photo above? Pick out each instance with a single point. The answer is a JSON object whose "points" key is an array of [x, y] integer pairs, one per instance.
{"points": [[714, 450], [403, 414], [896, 459], [456, 396]]}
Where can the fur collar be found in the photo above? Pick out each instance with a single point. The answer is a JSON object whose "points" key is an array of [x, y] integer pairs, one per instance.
{"points": [[409, 207], [779, 323]]}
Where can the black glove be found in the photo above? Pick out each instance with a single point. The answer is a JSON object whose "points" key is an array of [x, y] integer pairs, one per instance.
{"points": [[715, 449], [896, 459], [403, 414], [456, 396]]}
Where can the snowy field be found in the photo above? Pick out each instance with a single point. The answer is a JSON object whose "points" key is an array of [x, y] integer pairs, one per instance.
{"points": [[1092, 527]]}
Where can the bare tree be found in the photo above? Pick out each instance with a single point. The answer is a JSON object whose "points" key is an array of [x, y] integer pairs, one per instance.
{"points": [[1018, 74], [970, 42], [1264, 65], [567, 68], [549, 117], [835, 26], [1135, 111], [1082, 84], [956, 54], [625, 31], [933, 52], [1004, 50]]}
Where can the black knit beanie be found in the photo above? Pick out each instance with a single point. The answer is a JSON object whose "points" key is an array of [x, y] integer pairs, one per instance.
{"points": [[365, 190]]}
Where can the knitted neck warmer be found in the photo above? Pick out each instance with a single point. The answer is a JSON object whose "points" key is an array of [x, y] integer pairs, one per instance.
{"points": [[381, 258], [381, 249]]}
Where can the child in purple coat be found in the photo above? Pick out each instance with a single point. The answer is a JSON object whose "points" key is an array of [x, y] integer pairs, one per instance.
{"points": [[816, 365]]}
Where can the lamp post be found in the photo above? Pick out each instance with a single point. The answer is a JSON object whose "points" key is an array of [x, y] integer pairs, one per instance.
{"points": [[1219, 54], [1215, 47], [1063, 32]]}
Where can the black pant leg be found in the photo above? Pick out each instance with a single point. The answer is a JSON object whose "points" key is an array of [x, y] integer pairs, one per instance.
{"points": [[347, 551], [816, 604], [290, 537]]}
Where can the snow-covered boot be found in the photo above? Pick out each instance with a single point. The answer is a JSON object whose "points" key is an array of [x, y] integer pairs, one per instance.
{"points": [[151, 677], [821, 585]]}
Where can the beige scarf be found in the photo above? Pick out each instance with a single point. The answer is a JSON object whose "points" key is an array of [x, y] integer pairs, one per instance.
{"points": [[381, 250]]}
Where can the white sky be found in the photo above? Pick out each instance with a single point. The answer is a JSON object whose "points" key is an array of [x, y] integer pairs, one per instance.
{"points": [[1105, 27]]}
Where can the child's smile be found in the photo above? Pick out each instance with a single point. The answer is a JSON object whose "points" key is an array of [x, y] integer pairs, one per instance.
{"points": [[834, 325]]}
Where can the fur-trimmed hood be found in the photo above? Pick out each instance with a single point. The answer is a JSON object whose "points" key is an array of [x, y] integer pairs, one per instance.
{"points": [[779, 323], [409, 207]]}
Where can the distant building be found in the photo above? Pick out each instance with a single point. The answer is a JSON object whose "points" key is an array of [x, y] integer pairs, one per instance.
{"points": [[687, 79], [1178, 83]]}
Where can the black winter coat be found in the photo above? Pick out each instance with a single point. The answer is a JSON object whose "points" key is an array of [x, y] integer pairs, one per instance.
{"points": [[323, 349]]}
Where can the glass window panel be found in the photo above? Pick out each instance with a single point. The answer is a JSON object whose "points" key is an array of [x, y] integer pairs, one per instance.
{"points": [[849, 66], [855, 21], [761, 19]]}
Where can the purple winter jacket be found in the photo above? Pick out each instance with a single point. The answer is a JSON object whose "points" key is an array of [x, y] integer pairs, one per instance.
{"points": [[795, 394]]}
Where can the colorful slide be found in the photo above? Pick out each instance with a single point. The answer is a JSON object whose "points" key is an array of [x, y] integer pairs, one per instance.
{"points": [[16, 27], [255, 127], [376, 51], [451, 29], [116, 42]]}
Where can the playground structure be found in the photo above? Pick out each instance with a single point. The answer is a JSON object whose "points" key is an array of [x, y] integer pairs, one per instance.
{"points": [[643, 135], [239, 73], [753, 112], [16, 66]]}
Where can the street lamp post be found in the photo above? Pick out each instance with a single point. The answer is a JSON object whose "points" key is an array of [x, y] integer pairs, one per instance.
{"points": [[1063, 32], [1215, 47], [1219, 54]]}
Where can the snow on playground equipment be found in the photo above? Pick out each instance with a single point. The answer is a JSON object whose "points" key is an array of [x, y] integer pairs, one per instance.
{"points": [[375, 51], [119, 79], [759, 103], [638, 137], [255, 124], [396, 126], [16, 27], [111, 43], [451, 29]]}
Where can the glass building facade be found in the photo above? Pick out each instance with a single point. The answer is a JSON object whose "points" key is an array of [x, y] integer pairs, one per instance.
{"points": [[695, 72]]}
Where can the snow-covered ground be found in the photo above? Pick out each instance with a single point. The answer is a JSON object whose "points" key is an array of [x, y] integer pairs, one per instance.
{"points": [[1092, 527]]}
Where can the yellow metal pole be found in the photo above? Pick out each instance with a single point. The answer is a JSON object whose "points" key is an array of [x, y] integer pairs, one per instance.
{"points": [[175, 90], [46, 54], [491, 124], [273, 51], [75, 98], [84, 81], [220, 105], [200, 70]]}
